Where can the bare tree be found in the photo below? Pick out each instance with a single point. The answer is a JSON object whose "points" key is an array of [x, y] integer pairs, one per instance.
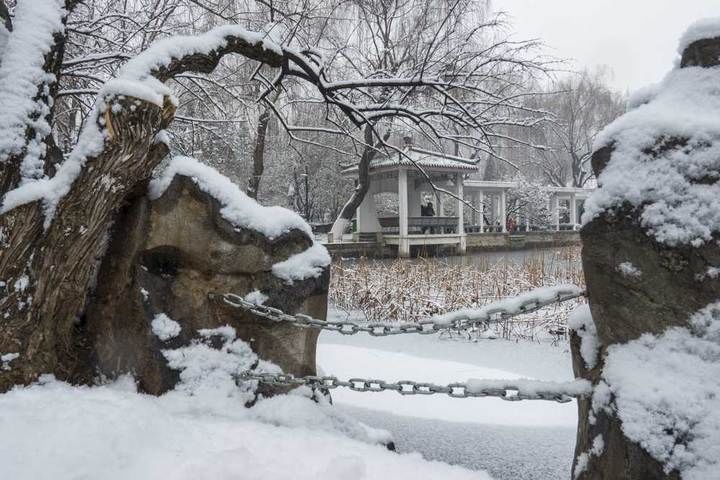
{"points": [[582, 106], [56, 215], [474, 65]]}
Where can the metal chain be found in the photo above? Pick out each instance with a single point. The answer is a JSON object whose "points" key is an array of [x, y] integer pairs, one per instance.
{"points": [[379, 329], [404, 387]]}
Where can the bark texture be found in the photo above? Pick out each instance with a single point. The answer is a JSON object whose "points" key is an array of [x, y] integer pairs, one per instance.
{"points": [[48, 272]]}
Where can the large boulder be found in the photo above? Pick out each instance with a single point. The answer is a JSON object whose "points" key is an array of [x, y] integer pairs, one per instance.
{"points": [[650, 256], [172, 256]]}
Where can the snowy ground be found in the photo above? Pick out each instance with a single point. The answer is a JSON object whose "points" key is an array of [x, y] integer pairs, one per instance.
{"points": [[55, 431], [510, 440]]}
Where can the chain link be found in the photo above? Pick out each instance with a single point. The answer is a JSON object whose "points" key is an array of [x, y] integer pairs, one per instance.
{"points": [[404, 387], [423, 327]]}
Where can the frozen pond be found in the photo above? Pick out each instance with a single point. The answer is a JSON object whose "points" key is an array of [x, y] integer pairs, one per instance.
{"points": [[528, 440]]}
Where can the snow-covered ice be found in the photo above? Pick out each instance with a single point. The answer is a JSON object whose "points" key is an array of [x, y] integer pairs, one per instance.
{"points": [[529, 440], [348, 361]]}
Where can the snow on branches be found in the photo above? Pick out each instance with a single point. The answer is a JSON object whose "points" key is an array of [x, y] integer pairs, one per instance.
{"points": [[25, 101]]}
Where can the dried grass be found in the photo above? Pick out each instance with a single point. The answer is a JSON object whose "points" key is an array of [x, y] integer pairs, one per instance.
{"points": [[411, 290]]}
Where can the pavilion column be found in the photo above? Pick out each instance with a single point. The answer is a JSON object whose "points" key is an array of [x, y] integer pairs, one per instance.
{"points": [[481, 210], [403, 243], [503, 211], [573, 211], [460, 192], [555, 209], [440, 212], [414, 199]]}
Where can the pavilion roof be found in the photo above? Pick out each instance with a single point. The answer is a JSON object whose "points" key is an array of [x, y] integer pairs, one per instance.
{"points": [[427, 159]]}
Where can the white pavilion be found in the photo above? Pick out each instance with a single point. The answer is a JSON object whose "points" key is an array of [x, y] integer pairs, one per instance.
{"points": [[453, 222]]}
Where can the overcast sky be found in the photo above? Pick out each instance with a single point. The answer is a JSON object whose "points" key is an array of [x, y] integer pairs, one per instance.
{"points": [[637, 39]]}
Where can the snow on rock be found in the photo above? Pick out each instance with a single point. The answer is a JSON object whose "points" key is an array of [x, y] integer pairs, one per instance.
{"points": [[165, 327], [187, 438], [642, 95], [627, 269], [237, 208], [256, 297], [674, 185], [307, 264], [208, 371], [21, 78], [582, 322], [711, 273], [226, 331], [665, 392], [510, 305], [5, 360], [700, 30]]}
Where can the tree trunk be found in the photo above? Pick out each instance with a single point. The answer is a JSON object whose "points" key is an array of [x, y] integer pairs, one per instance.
{"points": [[49, 272], [259, 152], [342, 223]]}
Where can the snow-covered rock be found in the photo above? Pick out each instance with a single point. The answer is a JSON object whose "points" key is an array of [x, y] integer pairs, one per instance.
{"points": [[195, 239], [665, 392], [582, 322], [671, 144]]}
